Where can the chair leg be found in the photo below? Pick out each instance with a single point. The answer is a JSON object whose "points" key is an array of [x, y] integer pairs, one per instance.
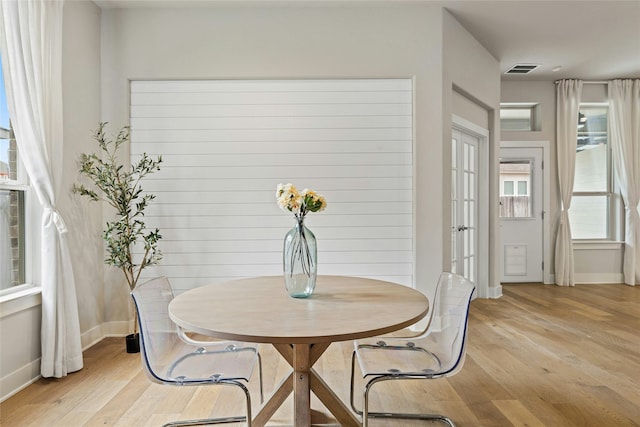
{"points": [[206, 421], [221, 420], [260, 375], [365, 414]]}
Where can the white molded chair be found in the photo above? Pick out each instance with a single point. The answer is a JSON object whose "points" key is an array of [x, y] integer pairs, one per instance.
{"points": [[170, 357], [437, 352]]}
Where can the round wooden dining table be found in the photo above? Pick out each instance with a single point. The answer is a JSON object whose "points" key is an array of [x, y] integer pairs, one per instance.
{"points": [[259, 310]]}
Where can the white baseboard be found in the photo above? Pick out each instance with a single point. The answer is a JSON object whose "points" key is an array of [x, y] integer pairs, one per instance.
{"points": [[19, 379], [91, 337], [495, 292], [117, 329], [598, 278], [108, 329]]}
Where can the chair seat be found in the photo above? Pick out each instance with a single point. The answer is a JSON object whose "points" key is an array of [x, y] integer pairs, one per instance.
{"points": [[401, 357], [211, 363]]}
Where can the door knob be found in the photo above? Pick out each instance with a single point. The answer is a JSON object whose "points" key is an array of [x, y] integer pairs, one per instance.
{"points": [[462, 228]]}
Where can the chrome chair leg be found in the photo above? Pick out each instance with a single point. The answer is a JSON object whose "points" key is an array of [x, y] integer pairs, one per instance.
{"points": [[205, 421], [365, 414], [221, 420], [260, 375]]}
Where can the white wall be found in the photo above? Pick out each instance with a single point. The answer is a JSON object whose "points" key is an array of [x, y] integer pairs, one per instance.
{"points": [[20, 330], [317, 42], [471, 89], [593, 263], [81, 91], [294, 42]]}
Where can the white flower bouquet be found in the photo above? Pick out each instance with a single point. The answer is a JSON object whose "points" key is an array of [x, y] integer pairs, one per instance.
{"points": [[300, 249], [300, 203]]}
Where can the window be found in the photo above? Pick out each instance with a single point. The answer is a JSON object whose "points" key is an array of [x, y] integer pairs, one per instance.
{"points": [[519, 116], [12, 203], [515, 176], [522, 188], [508, 188], [591, 210]]}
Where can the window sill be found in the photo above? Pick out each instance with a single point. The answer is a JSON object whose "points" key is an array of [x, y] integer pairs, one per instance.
{"points": [[19, 298], [599, 245]]}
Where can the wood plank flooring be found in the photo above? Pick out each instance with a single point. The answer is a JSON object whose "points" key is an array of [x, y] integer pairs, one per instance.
{"points": [[541, 355]]}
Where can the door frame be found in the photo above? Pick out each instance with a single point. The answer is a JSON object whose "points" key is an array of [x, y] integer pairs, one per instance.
{"points": [[547, 276], [464, 125]]}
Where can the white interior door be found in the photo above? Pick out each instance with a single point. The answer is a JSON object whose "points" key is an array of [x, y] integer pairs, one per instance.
{"points": [[521, 214], [464, 204]]}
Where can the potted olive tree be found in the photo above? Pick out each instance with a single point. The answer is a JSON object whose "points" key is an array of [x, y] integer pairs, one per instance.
{"points": [[119, 186]]}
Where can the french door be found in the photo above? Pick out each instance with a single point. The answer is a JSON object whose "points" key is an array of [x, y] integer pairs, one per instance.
{"points": [[464, 204]]}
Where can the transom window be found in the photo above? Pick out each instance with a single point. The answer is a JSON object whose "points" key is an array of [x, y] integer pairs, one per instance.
{"points": [[519, 116]]}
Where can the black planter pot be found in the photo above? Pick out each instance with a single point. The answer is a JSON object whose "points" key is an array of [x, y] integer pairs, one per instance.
{"points": [[133, 343]]}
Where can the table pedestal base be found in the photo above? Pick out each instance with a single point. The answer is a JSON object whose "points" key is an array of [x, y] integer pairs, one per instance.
{"points": [[302, 381]]}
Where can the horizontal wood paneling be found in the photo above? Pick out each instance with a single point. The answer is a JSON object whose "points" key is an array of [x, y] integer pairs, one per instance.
{"points": [[227, 144]]}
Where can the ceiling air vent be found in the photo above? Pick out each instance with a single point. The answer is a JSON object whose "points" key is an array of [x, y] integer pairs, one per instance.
{"points": [[522, 69]]}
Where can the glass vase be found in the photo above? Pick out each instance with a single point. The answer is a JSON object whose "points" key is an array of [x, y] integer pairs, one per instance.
{"points": [[300, 261]]}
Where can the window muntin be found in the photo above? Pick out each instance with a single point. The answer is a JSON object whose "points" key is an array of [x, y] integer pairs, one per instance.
{"points": [[592, 204]]}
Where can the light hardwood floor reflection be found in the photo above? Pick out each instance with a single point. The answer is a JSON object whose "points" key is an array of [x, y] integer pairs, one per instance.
{"points": [[539, 356]]}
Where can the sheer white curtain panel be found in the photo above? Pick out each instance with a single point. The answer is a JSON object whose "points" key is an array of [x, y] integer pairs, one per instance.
{"points": [[31, 43], [568, 97], [624, 119]]}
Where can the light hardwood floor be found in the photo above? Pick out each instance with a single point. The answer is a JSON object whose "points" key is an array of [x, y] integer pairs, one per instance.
{"points": [[541, 355]]}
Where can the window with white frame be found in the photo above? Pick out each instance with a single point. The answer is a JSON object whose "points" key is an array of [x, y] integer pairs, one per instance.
{"points": [[515, 188], [12, 203], [519, 116], [592, 205], [515, 181]]}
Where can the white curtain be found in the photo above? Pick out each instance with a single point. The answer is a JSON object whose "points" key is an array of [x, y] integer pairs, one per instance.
{"points": [[624, 119], [31, 43], [567, 106]]}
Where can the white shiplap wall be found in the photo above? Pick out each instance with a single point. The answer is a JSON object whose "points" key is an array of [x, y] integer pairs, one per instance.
{"points": [[226, 144]]}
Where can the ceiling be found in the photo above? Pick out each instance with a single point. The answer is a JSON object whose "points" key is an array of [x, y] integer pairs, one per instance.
{"points": [[586, 39]]}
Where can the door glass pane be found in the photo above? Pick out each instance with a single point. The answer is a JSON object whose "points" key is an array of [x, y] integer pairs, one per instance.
{"points": [[514, 205], [466, 185], [465, 212], [454, 153], [588, 216], [472, 158], [472, 214], [472, 186], [454, 185], [466, 156]]}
